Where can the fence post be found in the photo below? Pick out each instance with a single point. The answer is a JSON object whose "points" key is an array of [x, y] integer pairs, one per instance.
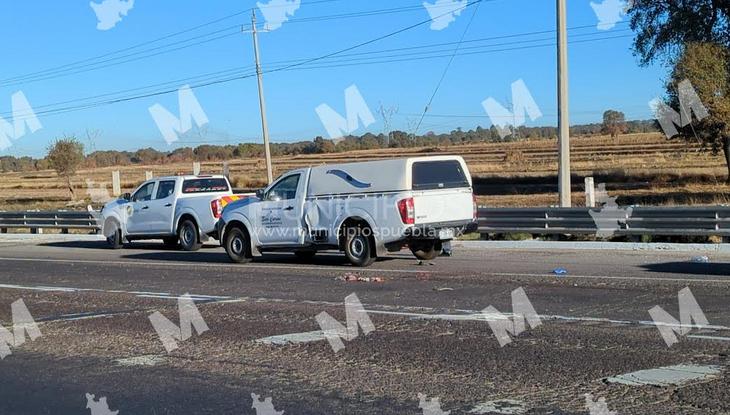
{"points": [[147, 175], [590, 193], [196, 168], [226, 170], [116, 183]]}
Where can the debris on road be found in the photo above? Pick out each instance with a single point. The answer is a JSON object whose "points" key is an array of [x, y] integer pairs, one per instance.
{"points": [[350, 277], [443, 289], [701, 259], [560, 271], [420, 262]]}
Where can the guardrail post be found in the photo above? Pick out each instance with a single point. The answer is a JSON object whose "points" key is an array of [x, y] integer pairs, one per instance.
{"points": [[116, 183], [226, 170], [590, 193], [196, 168], [148, 175]]}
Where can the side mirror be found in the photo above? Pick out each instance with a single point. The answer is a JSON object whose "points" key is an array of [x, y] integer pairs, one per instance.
{"points": [[127, 197], [260, 194]]}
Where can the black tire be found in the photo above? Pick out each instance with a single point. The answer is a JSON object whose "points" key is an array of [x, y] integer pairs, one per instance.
{"points": [[188, 236], [305, 255], [171, 241], [426, 251], [359, 246], [238, 246], [113, 234]]}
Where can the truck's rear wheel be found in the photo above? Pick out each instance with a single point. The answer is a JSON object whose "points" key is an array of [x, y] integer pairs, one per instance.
{"points": [[238, 246], [427, 251], [359, 247], [188, 236]]}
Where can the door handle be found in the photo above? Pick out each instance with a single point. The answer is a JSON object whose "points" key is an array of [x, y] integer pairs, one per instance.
{"points": [[145, 207], [168, 205], [289, 208]]}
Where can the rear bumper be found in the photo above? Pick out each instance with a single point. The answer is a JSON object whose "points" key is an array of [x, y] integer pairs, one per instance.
{"points": [[441, 231]]}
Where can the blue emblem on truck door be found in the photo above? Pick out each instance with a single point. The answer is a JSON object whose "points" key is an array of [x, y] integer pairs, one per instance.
{"points": [[349, 179]]}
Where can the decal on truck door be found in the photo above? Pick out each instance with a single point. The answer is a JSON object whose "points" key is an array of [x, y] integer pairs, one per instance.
{"points": [[349, 179]]}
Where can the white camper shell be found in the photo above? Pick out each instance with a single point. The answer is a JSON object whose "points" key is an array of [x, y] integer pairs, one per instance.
{"points": [[365, 209]]}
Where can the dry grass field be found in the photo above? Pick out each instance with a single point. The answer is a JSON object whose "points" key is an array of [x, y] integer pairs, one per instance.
{"points": [[644, 169]]}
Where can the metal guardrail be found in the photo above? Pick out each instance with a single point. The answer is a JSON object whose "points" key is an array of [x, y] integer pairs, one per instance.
{"points": [[63, 220], [691, 221]]}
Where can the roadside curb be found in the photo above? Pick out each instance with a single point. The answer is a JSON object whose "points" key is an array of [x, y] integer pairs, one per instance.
{"points": [[27, 238], [601, 246]]}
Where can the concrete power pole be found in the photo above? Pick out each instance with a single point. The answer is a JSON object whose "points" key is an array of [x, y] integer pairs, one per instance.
{"points": [[262, 102], [563, 116]]}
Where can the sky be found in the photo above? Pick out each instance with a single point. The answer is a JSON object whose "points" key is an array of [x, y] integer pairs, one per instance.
{"points": [[72, 60]]}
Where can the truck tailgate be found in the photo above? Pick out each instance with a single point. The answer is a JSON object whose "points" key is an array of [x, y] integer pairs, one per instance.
{"points": [[448, 205]]}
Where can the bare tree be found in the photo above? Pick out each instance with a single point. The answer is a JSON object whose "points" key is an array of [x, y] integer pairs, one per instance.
{"points": [[65, 156]]}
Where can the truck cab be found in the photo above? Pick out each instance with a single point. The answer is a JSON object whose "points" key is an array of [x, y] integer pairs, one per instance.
{"points": [[363, 209]]}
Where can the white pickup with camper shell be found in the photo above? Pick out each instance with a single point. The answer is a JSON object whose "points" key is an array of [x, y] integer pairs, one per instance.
{"points": [[365, 209]]}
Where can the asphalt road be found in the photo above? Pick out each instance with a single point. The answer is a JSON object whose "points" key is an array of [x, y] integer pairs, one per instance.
{"points": [[430, 337]]}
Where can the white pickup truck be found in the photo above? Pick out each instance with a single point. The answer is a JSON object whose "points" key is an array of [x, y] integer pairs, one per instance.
{"points": [[364, 209], [180, 210]]}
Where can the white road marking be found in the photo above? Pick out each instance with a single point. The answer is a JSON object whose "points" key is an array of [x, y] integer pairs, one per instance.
{"points": [[479, 316], [700, 336], [426, 312], [183, 264], [606, 277]]}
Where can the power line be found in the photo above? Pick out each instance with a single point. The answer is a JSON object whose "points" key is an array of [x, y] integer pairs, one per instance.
{"points": [[237, 74], [287, 67], [446, 69], [72, 65], [91, 63]]}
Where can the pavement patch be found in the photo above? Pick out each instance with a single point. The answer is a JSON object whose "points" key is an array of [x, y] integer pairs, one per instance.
{"points": [[293, 338], [504, 406], [667, 376], [144, 360]]}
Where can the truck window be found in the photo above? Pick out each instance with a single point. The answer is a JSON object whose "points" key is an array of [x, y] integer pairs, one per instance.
{"points": [[286, 189], [165, 189], [208, 185], [144, 193], [445, 174]]}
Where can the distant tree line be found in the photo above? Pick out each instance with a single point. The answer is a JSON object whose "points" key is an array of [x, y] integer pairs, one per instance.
{"points": [[368, 141]]}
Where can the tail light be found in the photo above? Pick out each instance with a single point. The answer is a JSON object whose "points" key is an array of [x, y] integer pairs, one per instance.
{"points": [[407, 212], [216, 208], [475, 211]]}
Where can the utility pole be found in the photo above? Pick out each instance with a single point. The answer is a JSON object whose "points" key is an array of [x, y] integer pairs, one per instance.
{"points": [[262, 102], [563, 116]]}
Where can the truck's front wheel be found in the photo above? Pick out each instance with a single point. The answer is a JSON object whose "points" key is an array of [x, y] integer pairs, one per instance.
{"points": [[237, 246], [358, 247], [113, 233]]}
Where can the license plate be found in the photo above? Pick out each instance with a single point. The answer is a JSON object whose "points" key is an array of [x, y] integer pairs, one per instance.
{"points": [[446, 234]]}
